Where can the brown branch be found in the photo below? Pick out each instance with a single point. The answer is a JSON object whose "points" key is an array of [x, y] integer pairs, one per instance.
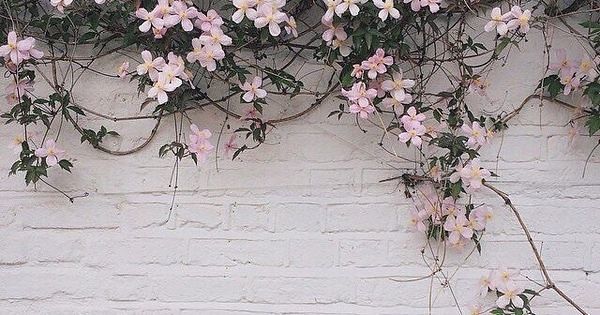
{"points": [[549, 282]]}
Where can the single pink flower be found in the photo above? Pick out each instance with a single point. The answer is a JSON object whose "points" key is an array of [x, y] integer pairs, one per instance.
{"points": [[51, 152]]}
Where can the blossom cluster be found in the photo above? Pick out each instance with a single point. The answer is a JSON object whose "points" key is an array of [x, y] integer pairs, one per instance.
{"points": [[16, 51], [515, 19], [459, 221], [166, 76], [200, 144], [265, 13], [502, 283], [574, 73]]}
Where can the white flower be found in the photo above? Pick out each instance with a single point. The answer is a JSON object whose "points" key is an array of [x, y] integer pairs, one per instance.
{"points": [[387, 9], [472, 175], [253, 90], [497, 22], [272, 17], [244, 8]]}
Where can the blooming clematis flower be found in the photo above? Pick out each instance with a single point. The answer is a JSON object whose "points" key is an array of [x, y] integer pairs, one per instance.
{"points": [[150, 66], [497, 22], [397, 85], [183, 14], [413, 134], [360, 94], [123, 69], [458, 227], [476, 134], [570, 81], [348, 5], [486, 284], [51, 152], [377, 63], [271, 17], [199, 143], [587, 68], [472, 175], [16, 145], [331, 5], [207, 21], [19, 50], [412, 118], [387, 9], [244, 8], [16, 91], [415, 5], [343, 46], [207, 55], [61, 4], [562, 64], [416, 221], [253, 90], [332, 32], [160, 88], [363, 111], [231, 145], [216, 37], [521, 20], [434, 5], [151, 19], [510, 294]]}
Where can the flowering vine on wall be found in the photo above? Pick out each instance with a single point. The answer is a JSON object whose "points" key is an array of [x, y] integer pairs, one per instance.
{"points": [[377, 57]]}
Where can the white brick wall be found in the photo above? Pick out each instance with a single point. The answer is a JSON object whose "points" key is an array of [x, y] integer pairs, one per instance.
{"points": [[299, 227]]}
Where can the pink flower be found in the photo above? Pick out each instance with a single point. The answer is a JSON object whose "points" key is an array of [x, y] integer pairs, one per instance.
{"points": [[333, 31], [521, 20], [397, 86], [271, 17], [472, 175], [150, 66], [244, 8], [207, 55], [362, 111], [123, 69], [562, 64], [415, 5], [331, 5], [19, 50], [183, 14], [476, 134], [230, 145], [357, 71], [416, 221], [412, 118], [510, 294], [207, 21], [61, 4], [458, 227], [434, 5], [253, 90], [413, 133], [348, 5], [151, 19], [215, 37], [450, 207], [51, 152], [343, 46], [587, 68], [360, 94], [483, 214], [199, 143], [16, 91], [486, 283], [160, 89], [497, 22], [377, 63], [570, 81], [387, 9], [250, 113]]}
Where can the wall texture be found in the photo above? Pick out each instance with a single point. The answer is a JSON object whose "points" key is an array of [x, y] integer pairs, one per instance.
{"points": [[301, 227]]}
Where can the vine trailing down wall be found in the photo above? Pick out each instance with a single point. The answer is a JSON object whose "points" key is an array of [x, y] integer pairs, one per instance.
{"points": [[404, 68]]}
